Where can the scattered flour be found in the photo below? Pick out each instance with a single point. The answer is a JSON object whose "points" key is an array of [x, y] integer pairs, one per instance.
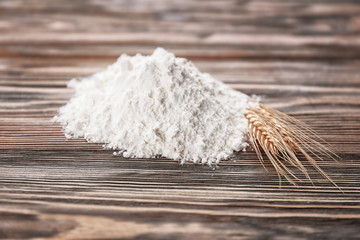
{"points": [[158, 105]]}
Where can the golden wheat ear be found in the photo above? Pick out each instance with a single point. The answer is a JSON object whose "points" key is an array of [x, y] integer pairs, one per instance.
{"points": [[281, 137]]}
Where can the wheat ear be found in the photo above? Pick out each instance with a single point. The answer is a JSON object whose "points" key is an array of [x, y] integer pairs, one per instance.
{"points": [[281, 136]]}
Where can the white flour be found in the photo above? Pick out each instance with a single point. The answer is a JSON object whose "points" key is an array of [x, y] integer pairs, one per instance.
{"points": [[158, 105]]}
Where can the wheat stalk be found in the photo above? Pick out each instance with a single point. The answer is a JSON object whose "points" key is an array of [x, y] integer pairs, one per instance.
{"points": [[280, 137]]}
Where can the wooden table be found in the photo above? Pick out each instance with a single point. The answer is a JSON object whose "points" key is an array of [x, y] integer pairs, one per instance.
{"points": [[303, 57]]}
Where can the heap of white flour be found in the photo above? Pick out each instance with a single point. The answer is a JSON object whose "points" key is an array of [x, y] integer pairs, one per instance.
{"points": [[158, 105]]}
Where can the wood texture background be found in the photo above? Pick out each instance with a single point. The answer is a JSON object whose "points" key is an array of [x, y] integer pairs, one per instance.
{"points": [[303, 57]]}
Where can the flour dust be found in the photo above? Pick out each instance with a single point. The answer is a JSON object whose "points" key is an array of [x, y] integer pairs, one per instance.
{"points": [[157, 105]]}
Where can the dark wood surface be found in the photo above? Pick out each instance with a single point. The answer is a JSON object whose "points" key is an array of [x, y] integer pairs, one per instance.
{"points": [[303, 57]]}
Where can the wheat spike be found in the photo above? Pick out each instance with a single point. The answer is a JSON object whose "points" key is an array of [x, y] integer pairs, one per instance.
{"points": [[281, 136]]}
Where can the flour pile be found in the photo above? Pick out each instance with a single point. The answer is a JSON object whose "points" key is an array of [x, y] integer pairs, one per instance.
{"points": [[158, 105]]}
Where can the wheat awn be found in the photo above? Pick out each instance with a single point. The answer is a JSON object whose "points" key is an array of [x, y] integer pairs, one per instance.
{"points": [[281, 136]]}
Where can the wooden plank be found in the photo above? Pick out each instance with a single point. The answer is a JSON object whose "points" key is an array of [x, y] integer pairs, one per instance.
{"points": [[302, 57]]}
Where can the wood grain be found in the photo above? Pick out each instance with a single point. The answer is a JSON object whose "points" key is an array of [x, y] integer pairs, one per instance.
{"points": [[303, 57]]}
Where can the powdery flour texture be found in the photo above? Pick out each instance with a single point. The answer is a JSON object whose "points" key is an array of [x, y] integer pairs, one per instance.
{"points": [[158, 105]]}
